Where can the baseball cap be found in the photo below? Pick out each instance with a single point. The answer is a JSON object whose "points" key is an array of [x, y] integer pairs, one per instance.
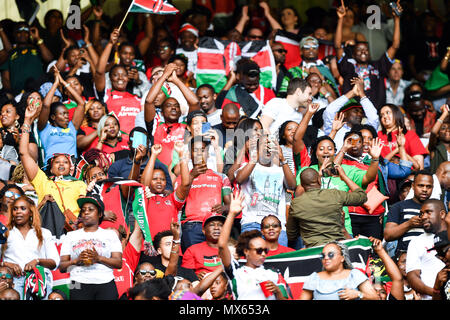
{"points": [[213, 216], [309, 39], [440, 242], [94, 199]]}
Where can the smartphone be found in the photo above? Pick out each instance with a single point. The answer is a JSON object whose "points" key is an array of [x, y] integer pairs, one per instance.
{"points": [[139, 138], [206, 126], [394, 7]]}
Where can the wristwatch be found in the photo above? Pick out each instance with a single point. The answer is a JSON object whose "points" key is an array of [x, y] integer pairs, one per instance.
{"points": [[360, 295]]}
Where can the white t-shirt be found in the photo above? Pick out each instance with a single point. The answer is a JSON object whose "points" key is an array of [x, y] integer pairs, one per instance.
{"points": [[104, 241], [418, 258], [214, 118], [280, 111], [265, 194], [245, 281]]}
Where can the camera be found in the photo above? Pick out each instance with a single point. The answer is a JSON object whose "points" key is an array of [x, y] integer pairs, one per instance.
{"points": [[330, 171]]}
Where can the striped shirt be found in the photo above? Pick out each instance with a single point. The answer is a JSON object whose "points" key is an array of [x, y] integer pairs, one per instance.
{"points": [[401, 212]]}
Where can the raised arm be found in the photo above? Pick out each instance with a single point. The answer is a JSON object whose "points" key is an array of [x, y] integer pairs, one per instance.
{"points": [[172, 267], [272, 21], [141, 151], [236, 206], [78, 115], [45, 112], [149, 106], [298, 143], [30, 166], [47, 56], [434, 133], [247, 170], [147, 175], [396, 38], [341, 12], [145, 42], [391, 268], [93, 55], [190, 96], [100, 72], [243, 20]]}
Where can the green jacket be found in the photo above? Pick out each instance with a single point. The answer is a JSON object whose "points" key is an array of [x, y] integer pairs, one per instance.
{"points": [[316, 215]]}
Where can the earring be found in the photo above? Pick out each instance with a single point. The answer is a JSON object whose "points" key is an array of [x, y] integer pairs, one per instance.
{"points": [[16, 123]]}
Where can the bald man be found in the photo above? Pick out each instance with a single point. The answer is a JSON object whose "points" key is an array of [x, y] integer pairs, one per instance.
{"points": [[316, 215], [229, 119]]}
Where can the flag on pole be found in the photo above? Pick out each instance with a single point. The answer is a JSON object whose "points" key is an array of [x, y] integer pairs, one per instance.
{"points": [[296, 266], [216, 58], [153, 6]]}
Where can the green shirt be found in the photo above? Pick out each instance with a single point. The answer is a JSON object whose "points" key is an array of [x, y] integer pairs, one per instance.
{"points": [[355, 174], [316, 215]]}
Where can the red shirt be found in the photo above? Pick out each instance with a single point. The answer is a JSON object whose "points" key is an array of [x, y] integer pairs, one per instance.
{"points": [[413, 144], [88, 130], [120, 145], [124, 277], [280, 249], [126, 107], [206, 191], [166, 135], [3, 219], [161, 211], [201, 257]]}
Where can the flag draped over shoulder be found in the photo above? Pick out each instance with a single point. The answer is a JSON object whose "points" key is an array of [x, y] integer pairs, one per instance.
{"points": [[153, 6], [296, 266], [291, 43], [216, 58]]}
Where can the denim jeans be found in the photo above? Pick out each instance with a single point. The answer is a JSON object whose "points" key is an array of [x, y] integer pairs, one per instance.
{"points": [[282, 239], [191, 233]]}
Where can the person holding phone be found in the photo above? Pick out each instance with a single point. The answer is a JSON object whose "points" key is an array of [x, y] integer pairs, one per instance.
{"points": [[111, 138]]}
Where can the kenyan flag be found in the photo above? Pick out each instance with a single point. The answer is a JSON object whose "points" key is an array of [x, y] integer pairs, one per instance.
{"points": [[152, 6], [296, 266], [216, 58], [291, 43]]}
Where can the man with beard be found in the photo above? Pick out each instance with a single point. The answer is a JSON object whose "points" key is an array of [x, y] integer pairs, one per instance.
{"points": [[359, 63], [404, 221], [352, 110], [248, 94], [422, 265], [309, 52], [203, 257]]}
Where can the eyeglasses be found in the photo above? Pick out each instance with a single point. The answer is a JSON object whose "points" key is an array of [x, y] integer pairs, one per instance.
{"points": [[150, 272], [280, 51], [330, 255], [273, 225], [260, 250], [23, 29], [10, 194], [6, 275]]}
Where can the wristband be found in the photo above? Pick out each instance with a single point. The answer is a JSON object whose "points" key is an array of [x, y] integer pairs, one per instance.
{"points": [[26, 128], [37, 261], [375, 159], [282, 163], [88, 45], [40, 41], [67, 85], [440, 120], [327, 95]]}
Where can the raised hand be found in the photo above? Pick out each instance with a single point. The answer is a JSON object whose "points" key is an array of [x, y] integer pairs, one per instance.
{"points": [[341, 12], [375, 148], [313, 107], [156, 149], [114, 37], [179, 148], [236, 203], [338, 122], [98, 12], [141, 151], [175, 228]]}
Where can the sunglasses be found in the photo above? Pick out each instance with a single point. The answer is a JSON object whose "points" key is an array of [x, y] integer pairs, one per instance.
{"points": [[307, 46], [255, 37], [150, 272], [10, 194], [6, 275], [164, 48], [273, 225], [260, 250], [23, 29], [280, 51], [330, 255]]}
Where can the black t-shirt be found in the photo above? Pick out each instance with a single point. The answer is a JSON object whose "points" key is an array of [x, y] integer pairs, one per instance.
{"points": [[373, 77], [401, 212], [181, 272], [428, 52]]}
